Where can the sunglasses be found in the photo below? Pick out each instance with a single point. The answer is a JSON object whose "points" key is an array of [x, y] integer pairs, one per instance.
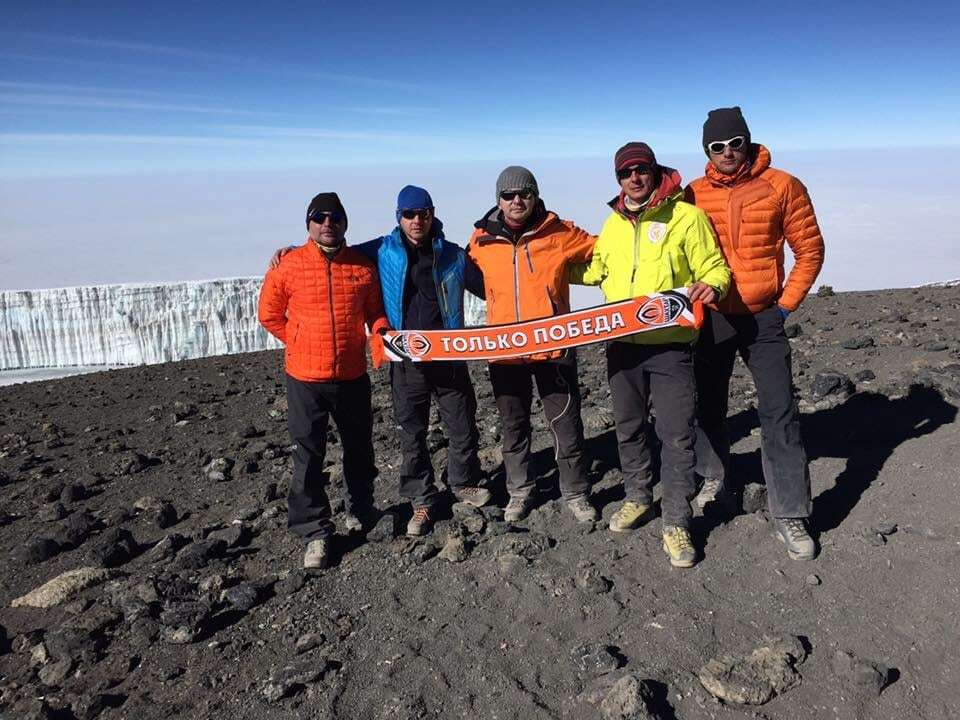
{"points": [[336, 217], [509, 195], [638, 169], [718, 146], [411, 214]]}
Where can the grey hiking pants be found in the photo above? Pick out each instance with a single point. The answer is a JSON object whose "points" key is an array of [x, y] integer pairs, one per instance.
{"points": [[761, 342], [661, 376]]}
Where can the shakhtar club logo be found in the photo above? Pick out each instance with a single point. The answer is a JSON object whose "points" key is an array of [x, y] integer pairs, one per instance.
{"points": [[661, 310]]}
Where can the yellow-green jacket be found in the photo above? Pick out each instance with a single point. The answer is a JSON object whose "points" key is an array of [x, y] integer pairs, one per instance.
{"points": [[670, 245]]}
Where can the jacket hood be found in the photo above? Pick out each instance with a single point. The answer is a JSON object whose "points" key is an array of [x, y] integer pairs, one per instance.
{"points": [[670, 185], [760, 162]]}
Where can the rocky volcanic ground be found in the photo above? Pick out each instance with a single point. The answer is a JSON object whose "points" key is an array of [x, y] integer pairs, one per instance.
{"points": [[154, 497]]}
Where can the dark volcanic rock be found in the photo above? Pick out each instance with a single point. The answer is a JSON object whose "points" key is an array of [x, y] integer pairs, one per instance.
{"points": [[830, 382], [235, 535], [199, 553], [863, 677], [35, 551], [386, 529], [755, 677], [754, 498], [630, 698], [242, 597], [858, 342], [183, 621], [592, 660], [113, 548]]}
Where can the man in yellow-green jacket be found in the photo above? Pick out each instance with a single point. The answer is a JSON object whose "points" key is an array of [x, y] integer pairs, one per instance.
{"points": [[654, 241]]}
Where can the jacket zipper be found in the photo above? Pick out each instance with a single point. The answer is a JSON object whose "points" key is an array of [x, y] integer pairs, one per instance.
{"points": [[333, 319], [516, 284], [445, 310], [636, 246]]}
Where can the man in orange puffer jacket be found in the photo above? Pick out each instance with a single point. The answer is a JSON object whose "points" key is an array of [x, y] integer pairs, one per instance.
{"points": [[755, 209], [316, 302], [525, 253]]}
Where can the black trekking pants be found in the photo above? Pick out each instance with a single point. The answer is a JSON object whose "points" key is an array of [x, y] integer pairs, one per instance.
{"points": [[761, 342], [310, 406], [559, 392], [661, 376], [413, 386]]}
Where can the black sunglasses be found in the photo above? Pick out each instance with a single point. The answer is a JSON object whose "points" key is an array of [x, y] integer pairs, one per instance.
{"points": [[508, 195], [718, 146], [639, 169], [336, 217], [411, 214]]}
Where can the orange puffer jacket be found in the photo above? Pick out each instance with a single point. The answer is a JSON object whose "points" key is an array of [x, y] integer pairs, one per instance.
{"points": [[317, 307], [753, 213], [528, 279]]}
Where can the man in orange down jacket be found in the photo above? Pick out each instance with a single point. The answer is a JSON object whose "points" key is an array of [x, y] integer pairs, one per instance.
{"points": [[755, 209], [316, 302], [524, 252]]}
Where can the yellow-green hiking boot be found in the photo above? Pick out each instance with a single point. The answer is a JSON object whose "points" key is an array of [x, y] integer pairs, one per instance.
{"points": [[678, 544], [628, 516]]}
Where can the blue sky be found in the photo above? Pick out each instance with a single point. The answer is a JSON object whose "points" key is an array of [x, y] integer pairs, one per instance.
{"points": [[131, 87], [165, 131]]}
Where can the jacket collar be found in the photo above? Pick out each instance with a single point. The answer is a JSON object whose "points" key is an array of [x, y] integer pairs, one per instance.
{"points": [[670, 185], [760, 161], [494, 228]]}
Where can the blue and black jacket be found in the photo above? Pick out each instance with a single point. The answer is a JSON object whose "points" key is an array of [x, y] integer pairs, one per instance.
{"points": [[453, 272]]}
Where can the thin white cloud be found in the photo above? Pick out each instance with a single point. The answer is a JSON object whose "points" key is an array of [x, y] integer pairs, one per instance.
{"points": [[81, 101], [392, 111], [60, 88], [318, 133], [122, 139], [251, 63]]}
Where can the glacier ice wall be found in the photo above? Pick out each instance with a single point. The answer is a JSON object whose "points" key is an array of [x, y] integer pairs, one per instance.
{"points": [[139, 324], [129, 324]]}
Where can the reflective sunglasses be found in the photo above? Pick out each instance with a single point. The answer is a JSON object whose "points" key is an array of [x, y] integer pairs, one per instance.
{"points": [[718, 146], [509, 195], [423, 214], [336, 217], [638, 169]]}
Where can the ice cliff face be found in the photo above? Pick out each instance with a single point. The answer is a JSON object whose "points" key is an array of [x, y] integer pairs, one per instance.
{"points": [[138, 324], [129, 324]]}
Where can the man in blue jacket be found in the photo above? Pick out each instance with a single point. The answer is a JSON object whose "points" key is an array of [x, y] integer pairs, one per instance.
{"points": [[422, 278]]}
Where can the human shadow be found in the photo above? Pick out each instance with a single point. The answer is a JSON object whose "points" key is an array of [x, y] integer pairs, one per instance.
{"points": [[865, 430]]}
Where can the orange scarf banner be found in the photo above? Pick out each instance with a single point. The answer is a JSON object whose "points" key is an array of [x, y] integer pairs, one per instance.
{"points": [[580, 327]]}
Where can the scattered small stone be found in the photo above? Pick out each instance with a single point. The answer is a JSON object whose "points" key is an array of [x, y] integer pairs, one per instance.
{"points": [[830, 382], [242, 597], [235, 535], [166, 547], [115, 547], [385, 530], [35, 551], [794, 330], [53, 674], [934, 346], [308, 642], [454, 550], [289, 681], [197, 554], [62, 588], [885, 528], [630, 698], [183, 621], [858, 342], [592, 660], [863, 677], [291, 583], [52, 512], [219, 469], [812, 579], [591, 579], [423, 552], [757, 676], [754, 498], [72, 492], [865, 376]]}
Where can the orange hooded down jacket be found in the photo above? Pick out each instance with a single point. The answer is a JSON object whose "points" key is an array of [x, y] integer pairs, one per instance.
{"points": [[317, 307], [753, 213], [528, 279]]}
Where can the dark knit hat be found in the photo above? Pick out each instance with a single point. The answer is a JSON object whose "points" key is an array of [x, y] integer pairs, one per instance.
{"points": [[723, 124], [633, 153], [327, 202], [413, 198], [516, 178]]}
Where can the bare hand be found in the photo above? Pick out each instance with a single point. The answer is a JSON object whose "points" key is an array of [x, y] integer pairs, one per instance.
{"points": [[701, 291], [278, 255]]}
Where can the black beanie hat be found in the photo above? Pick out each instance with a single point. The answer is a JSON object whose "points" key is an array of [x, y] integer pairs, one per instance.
{"points": [[326, 202], [723, 124]]}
